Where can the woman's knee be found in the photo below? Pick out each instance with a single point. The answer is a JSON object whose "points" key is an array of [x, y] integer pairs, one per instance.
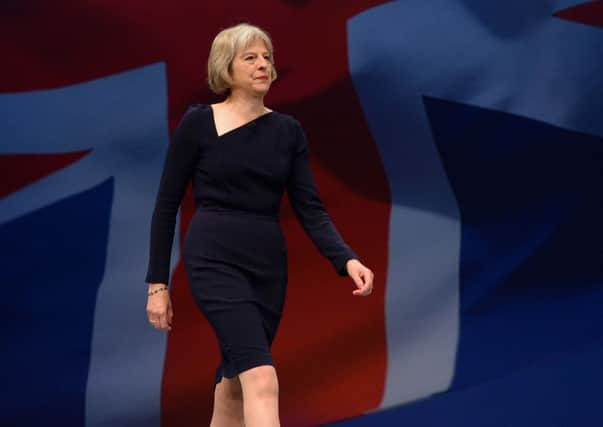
{"points": [[260, 381], [229, 389]]}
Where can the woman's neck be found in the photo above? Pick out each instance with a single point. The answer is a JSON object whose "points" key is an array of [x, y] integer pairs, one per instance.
{"points": [[245, 105]]}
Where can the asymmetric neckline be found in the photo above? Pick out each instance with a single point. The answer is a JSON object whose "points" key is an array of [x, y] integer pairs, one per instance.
{"points": [[246, 124]]}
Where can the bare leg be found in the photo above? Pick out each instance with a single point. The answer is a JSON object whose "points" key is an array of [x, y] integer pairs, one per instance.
{"points": [[260, 396], [228, 404]]}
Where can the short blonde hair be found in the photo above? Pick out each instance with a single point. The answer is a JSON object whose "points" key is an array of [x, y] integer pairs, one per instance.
{"points": [[223, 50]]}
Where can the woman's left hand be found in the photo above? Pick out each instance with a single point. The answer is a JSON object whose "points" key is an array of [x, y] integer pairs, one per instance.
{"points": [[362, 277]]}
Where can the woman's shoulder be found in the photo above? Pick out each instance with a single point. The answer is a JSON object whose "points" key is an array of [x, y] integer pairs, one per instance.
{"points": [[285, 119], [195, 117], [195, 110]]}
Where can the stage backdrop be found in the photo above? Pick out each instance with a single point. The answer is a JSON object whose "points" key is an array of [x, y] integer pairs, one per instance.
{"points": [[457, 146]]}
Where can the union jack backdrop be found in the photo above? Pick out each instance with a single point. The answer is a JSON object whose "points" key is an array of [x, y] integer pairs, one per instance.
{"points": [[456, 144]]}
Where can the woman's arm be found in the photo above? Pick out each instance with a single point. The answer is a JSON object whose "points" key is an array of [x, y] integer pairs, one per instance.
{"points": [[182, 155], [309, 209]]}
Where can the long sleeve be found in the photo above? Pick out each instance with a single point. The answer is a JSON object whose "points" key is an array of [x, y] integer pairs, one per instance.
{"points": [[309, 209], [178, 167]]}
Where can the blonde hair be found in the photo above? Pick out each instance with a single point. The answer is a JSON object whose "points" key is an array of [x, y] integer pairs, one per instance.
{"points": [[223, 50]]}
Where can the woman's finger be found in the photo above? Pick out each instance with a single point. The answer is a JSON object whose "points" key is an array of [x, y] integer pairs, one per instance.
{"points": [[367, 286], [362, 290], [163, 324], [358, 282], [156, 319], [357, 279]]}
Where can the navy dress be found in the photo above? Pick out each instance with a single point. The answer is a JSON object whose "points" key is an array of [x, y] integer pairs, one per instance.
{"points": [[234, 250]]}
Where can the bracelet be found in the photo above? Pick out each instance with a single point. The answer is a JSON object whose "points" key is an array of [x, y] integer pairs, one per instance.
{"points": [[165, 288]]}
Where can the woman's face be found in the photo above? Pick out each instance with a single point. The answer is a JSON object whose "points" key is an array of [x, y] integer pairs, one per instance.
{"points": [[251, 69]]}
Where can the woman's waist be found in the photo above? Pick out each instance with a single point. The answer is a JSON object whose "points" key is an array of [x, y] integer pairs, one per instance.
{"points": [[238, 212], [230, 232]]}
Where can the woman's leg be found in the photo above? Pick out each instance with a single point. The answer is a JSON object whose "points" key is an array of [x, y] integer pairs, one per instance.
{"points": [[228, 404], [260, 396]]}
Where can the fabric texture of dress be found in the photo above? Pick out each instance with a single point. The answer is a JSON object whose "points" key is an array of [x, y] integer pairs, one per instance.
{"points": [[234, 250]]}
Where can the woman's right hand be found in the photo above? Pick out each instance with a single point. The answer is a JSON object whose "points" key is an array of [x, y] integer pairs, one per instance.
{"points": [[159, 307]]}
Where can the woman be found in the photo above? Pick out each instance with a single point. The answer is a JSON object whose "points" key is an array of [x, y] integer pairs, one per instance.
{"points": [[241, 157]]}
